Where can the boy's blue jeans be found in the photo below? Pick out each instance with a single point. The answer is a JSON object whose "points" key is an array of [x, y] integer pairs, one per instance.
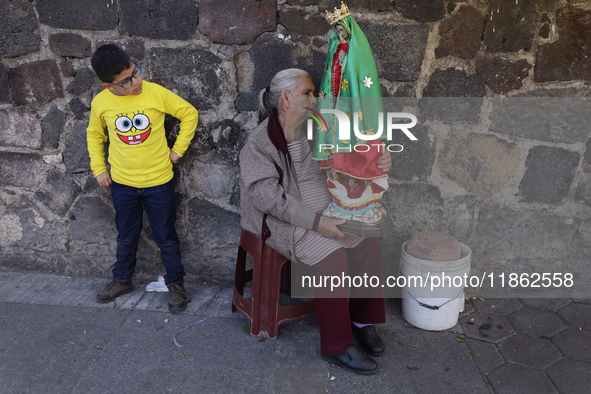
{"points": [[161, 208]]}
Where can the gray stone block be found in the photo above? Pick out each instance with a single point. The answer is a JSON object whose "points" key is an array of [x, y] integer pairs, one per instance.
{"points": [[133, 46], [486, 327], [498, 306], [577, 316], [75, 154], [82, 82], [548, 175], [354, 5], [479, 163], [461, 34], [28, 87], [68, 68], [236, 22], [538, 236], [502, 75], [212, 239], [566, 59], [570, 376], [422, 10], [549, 119], [158, 19], [511, 378], [70, 45], [397, 49], [169, 67], [453, 96], [92, 230], [231, 139], [536, 322], [486, 356], [58, 191], [302, 22], [510, 27], [53, 126], [574, 344], [18, 24], [547, 304], [20, 127], [5, 92], [82, 14], [416, 160], [256, 68], [529, 351], [19, 169], [78, 108]]}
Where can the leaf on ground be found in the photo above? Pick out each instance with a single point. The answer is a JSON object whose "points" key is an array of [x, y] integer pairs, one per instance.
{"points": [[165, 320], [470, 323], [262, 340], [459, 340], [545, 337], [181, 355], [446, 369], [407, 344], [245, 329], [413, 368], [485, 326], [477, 354], [463, 337]]}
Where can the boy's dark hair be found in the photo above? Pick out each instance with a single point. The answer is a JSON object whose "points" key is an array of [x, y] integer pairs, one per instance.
{"points": [[108, 61]]}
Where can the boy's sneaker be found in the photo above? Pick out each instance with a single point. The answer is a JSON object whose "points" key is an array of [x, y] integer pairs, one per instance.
{"points": [[114, 290], [178, 298]]}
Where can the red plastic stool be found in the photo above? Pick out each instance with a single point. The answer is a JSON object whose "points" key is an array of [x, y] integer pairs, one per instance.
{"points": [[263, 310]]}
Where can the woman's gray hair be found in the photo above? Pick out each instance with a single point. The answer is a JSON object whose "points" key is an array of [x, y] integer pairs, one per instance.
{"points": [[284, 80]]}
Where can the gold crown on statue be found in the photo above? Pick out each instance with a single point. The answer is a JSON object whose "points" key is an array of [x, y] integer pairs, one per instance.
{"points": [[337, 15]]}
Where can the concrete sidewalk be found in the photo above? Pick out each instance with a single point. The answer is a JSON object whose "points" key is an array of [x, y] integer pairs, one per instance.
{"points": [[56, 339]]}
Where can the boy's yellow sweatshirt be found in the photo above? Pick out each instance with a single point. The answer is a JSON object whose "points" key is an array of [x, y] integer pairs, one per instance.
{"points": [[138, 152]]}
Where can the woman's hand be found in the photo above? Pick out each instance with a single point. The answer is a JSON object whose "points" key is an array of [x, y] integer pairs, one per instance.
{"points": [[174, 157], [385, 161], [328, 227]]}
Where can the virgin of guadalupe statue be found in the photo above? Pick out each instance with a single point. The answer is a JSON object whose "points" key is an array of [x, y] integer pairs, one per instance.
{"points": [[350, 84]]}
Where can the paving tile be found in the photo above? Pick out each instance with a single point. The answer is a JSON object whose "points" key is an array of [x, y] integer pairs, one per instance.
{"points": [[536, 322], [486, 327], [498, 306], [511, 378], [486, 355], [529, 351], [548, 304], [574, 344], [577, 315], [570, 376], [582, 300]]}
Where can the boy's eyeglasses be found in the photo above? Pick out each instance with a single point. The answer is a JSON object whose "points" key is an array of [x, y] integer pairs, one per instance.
{"points": [[136, 74]]}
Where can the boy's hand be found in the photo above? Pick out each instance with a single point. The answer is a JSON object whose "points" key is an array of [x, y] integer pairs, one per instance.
{"points": [[174, 158], [104, 179], [385, 161]]}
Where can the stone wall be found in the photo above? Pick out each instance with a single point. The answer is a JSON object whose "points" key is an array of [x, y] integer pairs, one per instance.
{"points": [[519, 196]]}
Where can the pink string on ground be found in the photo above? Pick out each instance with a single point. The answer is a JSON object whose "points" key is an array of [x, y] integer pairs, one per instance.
{"points": [[174, 336]]}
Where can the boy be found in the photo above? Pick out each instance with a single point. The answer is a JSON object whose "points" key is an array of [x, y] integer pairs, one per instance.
{"points": [[141, 165]]}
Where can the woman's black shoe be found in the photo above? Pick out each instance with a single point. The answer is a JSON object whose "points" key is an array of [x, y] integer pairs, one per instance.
{"points": [[354, 360], [368, 340]]}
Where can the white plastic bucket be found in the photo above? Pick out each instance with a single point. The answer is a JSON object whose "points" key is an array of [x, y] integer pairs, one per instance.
{"points": [[426, 305]]}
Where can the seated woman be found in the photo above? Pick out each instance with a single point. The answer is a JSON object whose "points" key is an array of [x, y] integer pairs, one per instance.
{"points": [[282, 194]]}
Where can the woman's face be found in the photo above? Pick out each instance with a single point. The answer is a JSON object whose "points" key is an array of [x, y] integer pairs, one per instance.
{"points": [[300, 98]]}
